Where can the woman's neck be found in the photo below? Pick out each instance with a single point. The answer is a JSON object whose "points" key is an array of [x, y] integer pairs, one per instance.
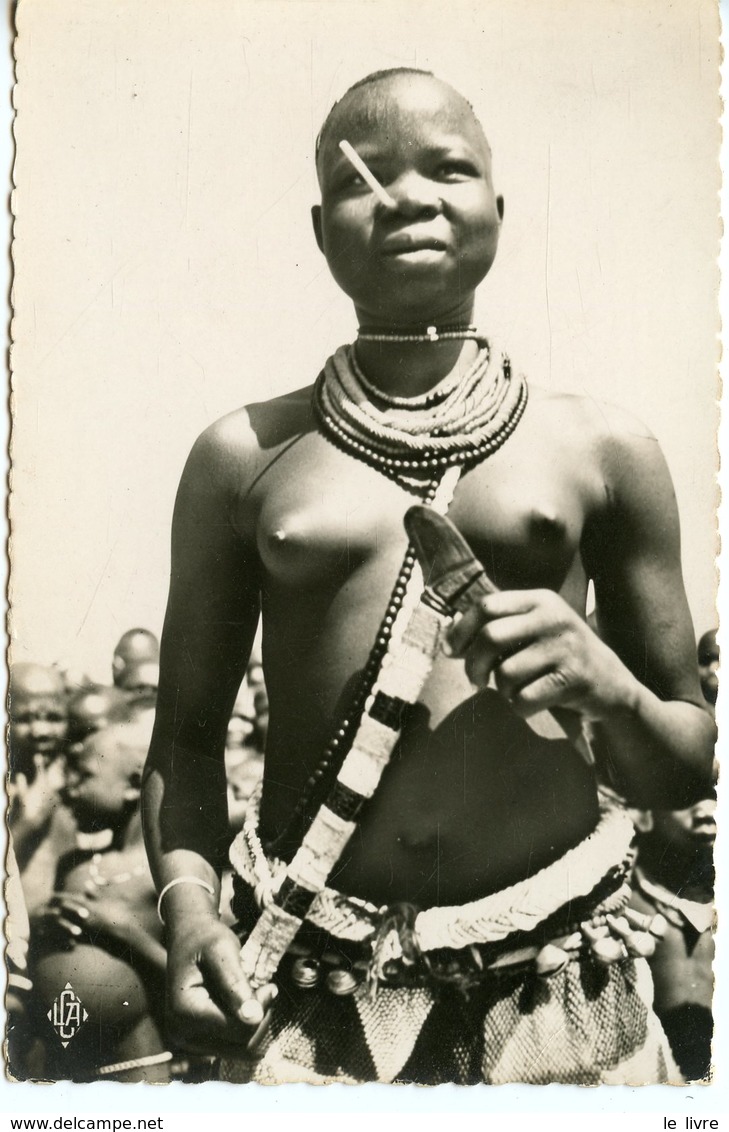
{"points": [[408, 369]]}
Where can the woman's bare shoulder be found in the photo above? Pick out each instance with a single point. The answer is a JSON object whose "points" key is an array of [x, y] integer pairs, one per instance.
{"points": [[607, 431], [601, 418], [245, 435]]}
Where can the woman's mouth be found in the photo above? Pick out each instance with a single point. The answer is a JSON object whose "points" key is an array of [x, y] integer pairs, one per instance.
{"points": [[405, 244]]}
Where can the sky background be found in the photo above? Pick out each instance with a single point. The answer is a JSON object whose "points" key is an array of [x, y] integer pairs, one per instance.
{"points": [[166, 271]]}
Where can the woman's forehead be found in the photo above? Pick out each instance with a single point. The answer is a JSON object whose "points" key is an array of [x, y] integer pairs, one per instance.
{"points": [[409, 108]]}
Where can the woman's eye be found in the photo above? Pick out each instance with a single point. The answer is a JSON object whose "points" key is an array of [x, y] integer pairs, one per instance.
{"points": [[456, 169]]}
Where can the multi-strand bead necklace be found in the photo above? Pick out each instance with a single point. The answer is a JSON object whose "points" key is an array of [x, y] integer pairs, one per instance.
{"points": [[460, 422]]}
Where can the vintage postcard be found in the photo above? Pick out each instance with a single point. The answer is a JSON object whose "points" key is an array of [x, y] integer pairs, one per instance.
{"points": [[363, 519]]}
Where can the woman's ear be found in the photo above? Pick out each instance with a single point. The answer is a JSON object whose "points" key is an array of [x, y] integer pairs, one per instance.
{"points": [[316, 221]]}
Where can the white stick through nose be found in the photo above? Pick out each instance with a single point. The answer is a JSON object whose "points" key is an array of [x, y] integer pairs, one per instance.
{"points": [[382, 194]]}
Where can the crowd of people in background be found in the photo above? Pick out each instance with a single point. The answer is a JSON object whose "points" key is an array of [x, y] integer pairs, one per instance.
{"points": [[86, 956], [82, 905]]}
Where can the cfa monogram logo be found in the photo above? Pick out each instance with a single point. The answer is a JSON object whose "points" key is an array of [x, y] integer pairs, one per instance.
{"points": [[67, 1014]]}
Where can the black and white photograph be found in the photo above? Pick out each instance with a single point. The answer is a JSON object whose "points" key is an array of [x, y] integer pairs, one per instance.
{"points": [[363, 592]]}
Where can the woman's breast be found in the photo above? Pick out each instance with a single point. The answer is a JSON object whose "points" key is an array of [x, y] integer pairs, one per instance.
{"points": [[321, 542], [317, 540]]}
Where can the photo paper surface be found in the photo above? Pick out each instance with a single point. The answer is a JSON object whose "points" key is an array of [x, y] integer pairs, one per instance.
{"points": [[554, 185]]}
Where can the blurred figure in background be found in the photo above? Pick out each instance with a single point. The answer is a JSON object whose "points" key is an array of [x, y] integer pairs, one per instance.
{"points": [[38, 718], [674, 876], [89, 711], [244, 747], [243, 772], [139, 682], [75, 679], [135, 647], [41, 829], [254, 668], [99, 931], [708, 657], [21, 1041]]}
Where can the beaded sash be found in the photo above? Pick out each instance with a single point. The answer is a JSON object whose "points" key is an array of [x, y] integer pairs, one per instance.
{"points": [[455, 425], [413, 643]]}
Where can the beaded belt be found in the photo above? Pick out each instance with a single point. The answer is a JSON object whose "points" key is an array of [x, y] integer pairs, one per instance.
{"points": [[598, 926], [528, 921], [519, 908]]}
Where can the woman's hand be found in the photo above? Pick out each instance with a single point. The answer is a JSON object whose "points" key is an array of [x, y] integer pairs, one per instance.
{"points": [[211, 1006], [542, 655]]}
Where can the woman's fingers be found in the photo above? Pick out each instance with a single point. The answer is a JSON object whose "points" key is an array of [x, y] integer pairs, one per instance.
{"points": [[221, 966], [266, 996], [500, 619], [212, 1003]]}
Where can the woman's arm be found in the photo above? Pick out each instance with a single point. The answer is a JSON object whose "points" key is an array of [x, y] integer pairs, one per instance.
{"points": [[638, 681], [211, 619]]}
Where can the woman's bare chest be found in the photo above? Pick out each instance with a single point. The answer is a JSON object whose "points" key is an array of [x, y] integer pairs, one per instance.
{"points": [[319, 516]]}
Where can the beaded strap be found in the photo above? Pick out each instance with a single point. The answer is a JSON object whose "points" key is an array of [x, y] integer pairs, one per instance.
{"points": [[342, 738], [414, 640]]}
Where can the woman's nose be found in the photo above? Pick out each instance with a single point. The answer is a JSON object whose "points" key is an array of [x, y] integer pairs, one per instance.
{"points": [[415, 195]]}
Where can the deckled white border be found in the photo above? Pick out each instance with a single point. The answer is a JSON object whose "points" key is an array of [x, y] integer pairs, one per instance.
{"points": [[625, 1109]]}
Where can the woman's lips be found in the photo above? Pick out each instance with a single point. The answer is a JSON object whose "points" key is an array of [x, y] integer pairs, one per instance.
{"points": [[402, 244]]}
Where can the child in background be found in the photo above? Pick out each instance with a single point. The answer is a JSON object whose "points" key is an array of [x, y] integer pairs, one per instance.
{"points": [[40, 827], [100, 932], [708, 658], [135, 647], [89, 711], [675, 877]]}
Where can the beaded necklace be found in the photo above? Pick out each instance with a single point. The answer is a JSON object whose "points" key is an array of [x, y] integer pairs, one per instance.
{"points": [[460, 422], [96, 879], [430, 334]]}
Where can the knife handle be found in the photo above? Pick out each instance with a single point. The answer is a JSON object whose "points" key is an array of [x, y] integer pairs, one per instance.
{"points": [[458, 581]]}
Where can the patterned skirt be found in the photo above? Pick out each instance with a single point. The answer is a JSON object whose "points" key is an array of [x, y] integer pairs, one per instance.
{"points": [[586, 1025], [517, 987]]}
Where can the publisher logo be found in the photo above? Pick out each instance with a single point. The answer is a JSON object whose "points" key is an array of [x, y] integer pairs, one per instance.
{"points": [[67, 1014]]}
